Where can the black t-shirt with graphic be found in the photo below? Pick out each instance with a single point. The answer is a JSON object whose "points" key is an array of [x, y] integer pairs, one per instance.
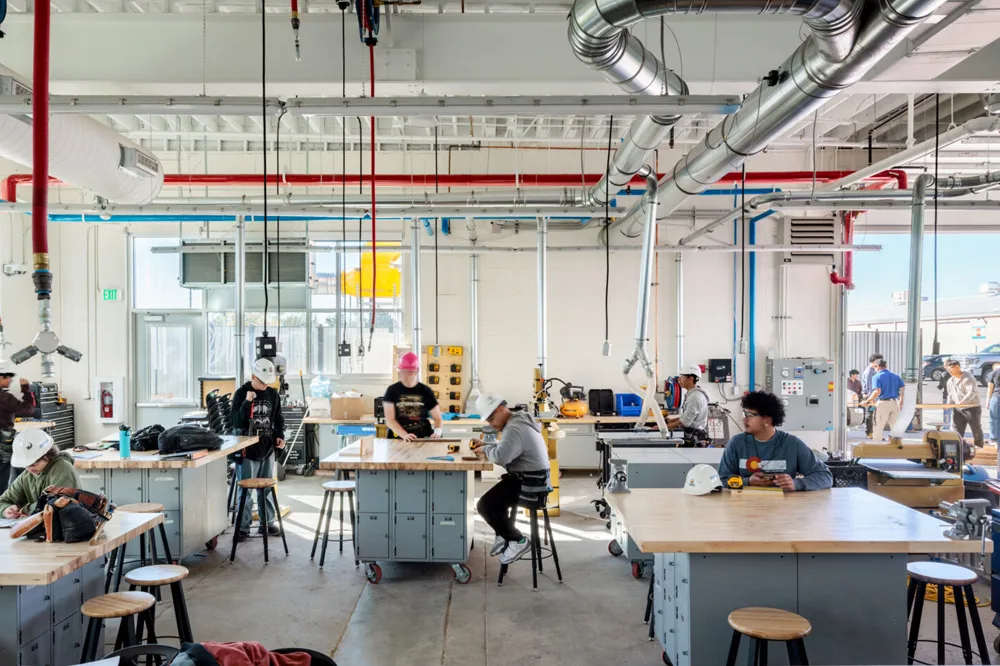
{"points": [[413, 408], [262, 418]]}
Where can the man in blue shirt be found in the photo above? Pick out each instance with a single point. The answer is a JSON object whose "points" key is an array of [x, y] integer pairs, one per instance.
{"points": [[887, 396], [866, 390]]}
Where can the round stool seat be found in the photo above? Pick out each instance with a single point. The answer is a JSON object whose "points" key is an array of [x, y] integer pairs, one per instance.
{"points": [[941, 574], [141, 507], [769, 624], [257, 484], [117, 604], [156, 575], [340, 486]]}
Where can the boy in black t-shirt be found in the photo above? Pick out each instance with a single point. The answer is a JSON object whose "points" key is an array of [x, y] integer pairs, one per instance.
{"points": [[409, 405]]}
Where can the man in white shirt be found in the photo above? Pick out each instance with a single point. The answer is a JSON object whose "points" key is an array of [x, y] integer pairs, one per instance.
{"points": [[694, 412], [963, 393]]}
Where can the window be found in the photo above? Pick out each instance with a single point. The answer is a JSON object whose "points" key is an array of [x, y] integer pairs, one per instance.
{"points": [[221, 331], [156, 278], [377, 355], [169, 363]]}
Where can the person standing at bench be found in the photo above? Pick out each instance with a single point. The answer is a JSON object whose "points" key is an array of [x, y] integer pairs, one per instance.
{"points": [[522, 452], [257, 413], [887, 396], [44, 465], [410, 405], [963, 396], [11, 407], [765, 456]]}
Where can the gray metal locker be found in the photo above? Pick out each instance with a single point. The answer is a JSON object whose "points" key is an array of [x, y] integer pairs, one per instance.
{"points": [[373, 490], [34, 607], [410, 536], [373, 536], [172, 525], [448, 492], [37, 652], [126, 485], [163, 486], [67, 641], [93, 481], [410, 492], [448, 538], [67, 596]]}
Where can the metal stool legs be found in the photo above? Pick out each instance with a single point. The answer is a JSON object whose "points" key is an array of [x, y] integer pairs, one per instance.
{"points": [[327, 509], [757, 654], [965, 600], [319, 525], [281, 523], [536, 547], [244, 495], [648, 617]]}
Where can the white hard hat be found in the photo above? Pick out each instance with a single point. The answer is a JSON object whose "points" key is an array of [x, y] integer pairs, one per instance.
{"points": [[263, 370], [6, 368], [691, 370], [702, 480], [487, 404], [29, 446]]}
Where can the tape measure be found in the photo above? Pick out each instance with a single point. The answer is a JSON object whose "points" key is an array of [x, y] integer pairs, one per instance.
{"points": [[453, 448], [735, 482]]}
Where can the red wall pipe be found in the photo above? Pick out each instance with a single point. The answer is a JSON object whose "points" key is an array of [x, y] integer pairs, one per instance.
{"points": [[8, 186], [40, 141]]}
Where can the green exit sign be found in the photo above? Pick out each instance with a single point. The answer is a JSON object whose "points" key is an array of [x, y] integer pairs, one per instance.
{"points": [[112, 295]]}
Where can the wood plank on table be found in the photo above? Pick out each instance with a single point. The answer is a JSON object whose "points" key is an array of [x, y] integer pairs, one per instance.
{"points": [[24, 562], [316, 420], [386, 454], [840, 520], [110, 458]]}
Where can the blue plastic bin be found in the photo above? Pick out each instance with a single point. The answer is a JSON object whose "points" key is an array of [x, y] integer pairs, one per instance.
{"points": [[628, 404]]}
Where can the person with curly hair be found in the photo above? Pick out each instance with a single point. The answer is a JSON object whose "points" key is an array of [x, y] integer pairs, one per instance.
{"points": [[765, 456]]}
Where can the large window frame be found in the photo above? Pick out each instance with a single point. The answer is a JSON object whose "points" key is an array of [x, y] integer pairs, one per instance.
{"points": [[189, 380]]}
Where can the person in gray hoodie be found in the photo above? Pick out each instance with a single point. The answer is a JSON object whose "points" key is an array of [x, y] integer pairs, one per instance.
{"points": [[522, 452], [765, 456]]}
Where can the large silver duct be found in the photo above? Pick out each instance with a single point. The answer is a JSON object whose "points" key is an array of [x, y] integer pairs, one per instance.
{"points": [[598, 33], [911, 373], [543, 287]]}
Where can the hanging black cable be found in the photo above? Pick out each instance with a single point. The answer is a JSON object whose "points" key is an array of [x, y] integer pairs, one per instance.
{"points": [[343, 151], [607, 235], [277, 221], [361, 245], [437, 291], [936, 346], [264, 121], [743, 246]]}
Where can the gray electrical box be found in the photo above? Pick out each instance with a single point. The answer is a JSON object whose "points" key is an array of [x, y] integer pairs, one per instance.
{"points": [[806, 387]]}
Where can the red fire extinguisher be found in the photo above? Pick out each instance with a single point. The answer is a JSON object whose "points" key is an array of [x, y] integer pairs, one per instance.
{"points": [[107, 404]]}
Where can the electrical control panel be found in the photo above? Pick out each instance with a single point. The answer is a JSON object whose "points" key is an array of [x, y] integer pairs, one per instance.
{"points": [[806, 388], [720, 370]]}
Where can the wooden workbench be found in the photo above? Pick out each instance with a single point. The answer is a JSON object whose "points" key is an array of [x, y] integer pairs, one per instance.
{"points": [[395, 454], [837, 557], [110, 458], [21, 426]]}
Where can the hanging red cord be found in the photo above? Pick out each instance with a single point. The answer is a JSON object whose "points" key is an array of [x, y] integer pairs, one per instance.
{"points": [[371, 124]]}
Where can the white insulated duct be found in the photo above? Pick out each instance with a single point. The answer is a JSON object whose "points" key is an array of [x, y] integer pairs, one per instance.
{"points": [[83, 152]]}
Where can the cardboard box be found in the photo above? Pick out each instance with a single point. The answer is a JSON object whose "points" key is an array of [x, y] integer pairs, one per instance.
{"points": [[348, 409], [319, 408]]}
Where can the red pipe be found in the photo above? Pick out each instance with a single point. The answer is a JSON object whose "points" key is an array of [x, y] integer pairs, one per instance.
{"points": [[8, 186], [40, 142], [847, 279]]}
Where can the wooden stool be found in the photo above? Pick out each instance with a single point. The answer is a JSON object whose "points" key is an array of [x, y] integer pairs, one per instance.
{"points": [[534, 506], [149, 578], [116, 561], [768, 624], [125, 605], [944, 576], [332, 489], [261, 486]]}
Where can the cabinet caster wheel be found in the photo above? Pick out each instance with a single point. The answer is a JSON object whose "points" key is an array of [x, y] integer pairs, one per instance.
{"points": [[373, 573], [996, 644], [637, 569], [462, 573], [212, 543], [614, 548], [666, 659]]}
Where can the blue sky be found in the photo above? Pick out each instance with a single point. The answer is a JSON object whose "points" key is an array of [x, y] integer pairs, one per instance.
{"points": [[965, 261]]}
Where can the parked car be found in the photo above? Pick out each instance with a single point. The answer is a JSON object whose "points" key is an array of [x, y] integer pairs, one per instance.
{"points": [[981, 363], [934, 366]]}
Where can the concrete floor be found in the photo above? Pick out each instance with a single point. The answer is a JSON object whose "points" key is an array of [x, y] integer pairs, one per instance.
{"points": [[419, 616]]}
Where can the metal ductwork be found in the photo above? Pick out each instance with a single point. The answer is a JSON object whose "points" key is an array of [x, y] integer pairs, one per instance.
{"points": [[82, 152], [598, 33]]}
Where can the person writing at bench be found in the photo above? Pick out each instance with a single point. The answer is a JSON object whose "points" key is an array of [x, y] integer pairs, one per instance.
{"points": [[44, 465], [522, 452], [765, 456]]}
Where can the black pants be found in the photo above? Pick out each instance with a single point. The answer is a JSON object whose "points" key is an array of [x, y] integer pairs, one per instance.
{"points": [[973, 417], [495, 507], [6, 475]]}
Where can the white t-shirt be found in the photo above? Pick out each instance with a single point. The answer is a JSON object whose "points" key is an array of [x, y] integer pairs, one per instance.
{"points": [[694, 412]]}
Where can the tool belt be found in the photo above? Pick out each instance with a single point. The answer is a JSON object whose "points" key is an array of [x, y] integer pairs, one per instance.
{"points": [[6, 444], [695, 437]]}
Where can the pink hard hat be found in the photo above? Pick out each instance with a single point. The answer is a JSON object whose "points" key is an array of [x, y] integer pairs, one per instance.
{"points": [[409, 361]]}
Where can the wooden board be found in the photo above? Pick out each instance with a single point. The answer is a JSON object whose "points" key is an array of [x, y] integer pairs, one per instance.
{"points": [[21, 426], [314, 420], [885, 450], [396, 454], [110, 458], [840, 520], [24, 562]]}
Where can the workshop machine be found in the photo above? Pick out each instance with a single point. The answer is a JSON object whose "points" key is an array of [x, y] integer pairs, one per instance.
{"points": [[574, 398]]}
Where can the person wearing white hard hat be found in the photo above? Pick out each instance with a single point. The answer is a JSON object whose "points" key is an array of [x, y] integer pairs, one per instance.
{"points": [[522, 452], [10, 408], [256, 412], [702, 480], [410, 405], [693, 418], [44, 465]]}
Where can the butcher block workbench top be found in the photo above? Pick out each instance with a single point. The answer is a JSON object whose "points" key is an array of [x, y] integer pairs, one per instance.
{"points": [[110, 459], [388, 454], [840, 520], [586, 420], [24, 562]]}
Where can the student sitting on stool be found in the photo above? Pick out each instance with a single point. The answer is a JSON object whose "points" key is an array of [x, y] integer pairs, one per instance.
{"points": [[522, 452]]}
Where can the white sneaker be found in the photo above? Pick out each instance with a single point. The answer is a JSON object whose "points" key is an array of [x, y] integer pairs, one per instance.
{"points": [[514, 550], [499, 544]]}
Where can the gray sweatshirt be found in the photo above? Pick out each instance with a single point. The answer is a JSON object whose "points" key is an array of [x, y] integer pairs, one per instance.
{"points": [[521, 447], [782, 454]]}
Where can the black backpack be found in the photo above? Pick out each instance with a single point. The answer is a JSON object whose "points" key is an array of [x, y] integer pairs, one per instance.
{"points": [[146, 439], [187, 437]]}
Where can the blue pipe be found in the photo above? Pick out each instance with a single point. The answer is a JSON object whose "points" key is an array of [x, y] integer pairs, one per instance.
{"points": [[446, 225], [427, 225], [753, 294]]}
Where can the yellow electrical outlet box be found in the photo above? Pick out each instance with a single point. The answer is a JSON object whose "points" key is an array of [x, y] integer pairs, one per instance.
{"points": [[454, 351]]}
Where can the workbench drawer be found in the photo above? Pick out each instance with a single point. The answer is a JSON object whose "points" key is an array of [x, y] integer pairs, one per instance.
{"points": [[34, 606], [373, 536], [448, 538], [448, 492], [373, 491], [163, 486], [67, 595], [67, 641], [126, 485], [37, 652], [93, 481], [409, 539], [410, 493]]}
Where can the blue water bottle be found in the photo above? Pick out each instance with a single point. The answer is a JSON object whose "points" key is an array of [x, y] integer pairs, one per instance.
{"points": [[124, 442]]}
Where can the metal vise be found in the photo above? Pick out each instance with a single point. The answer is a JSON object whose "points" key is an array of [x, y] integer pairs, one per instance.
{"points": [[618, 479], [971, 518]]}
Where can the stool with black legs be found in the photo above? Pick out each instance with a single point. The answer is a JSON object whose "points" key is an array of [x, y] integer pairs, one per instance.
{"points": [[148, 579], [648, 617], [959, 580], [261, 486], [116, 560], [125, 605], [535, 504], [768, 624], [331, 490]]}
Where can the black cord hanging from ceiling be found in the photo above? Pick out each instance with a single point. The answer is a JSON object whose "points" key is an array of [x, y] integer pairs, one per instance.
{"points": [[743, 246], [277, 221], [264, 120], [343, 153], [437, 291], [936, 346], [607, 234], [361, 245]]}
